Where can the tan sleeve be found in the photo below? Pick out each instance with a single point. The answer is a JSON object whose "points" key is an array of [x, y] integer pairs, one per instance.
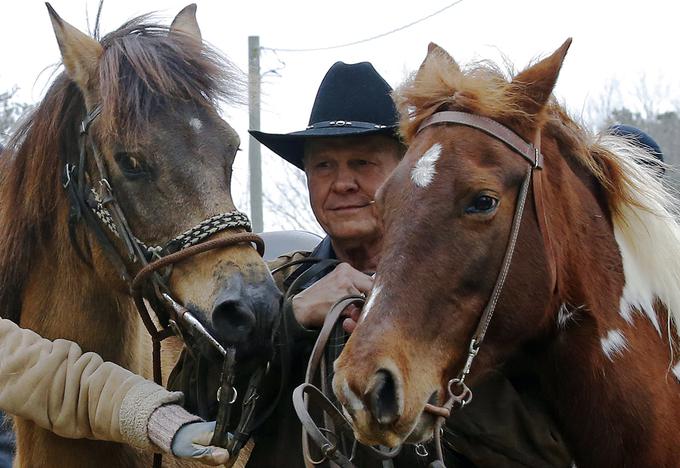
{"points": [[71, 393]]}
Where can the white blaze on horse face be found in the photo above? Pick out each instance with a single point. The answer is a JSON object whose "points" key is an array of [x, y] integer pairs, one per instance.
{"points": [[371, 300], [196, 124], [614, 343], [424, 170]]}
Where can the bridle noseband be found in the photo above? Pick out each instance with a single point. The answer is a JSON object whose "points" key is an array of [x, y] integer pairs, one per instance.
{"points": [[459, 394], [146, 269]]}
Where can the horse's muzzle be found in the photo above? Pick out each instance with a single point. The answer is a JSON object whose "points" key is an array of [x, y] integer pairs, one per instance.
{"points": [[245, 313]]}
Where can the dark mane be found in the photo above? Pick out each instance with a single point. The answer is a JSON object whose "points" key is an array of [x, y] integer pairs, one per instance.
{"points": [[144, 67]]}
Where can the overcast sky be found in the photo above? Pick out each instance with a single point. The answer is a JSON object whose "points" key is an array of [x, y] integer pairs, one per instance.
{"points": [[623, 41]]}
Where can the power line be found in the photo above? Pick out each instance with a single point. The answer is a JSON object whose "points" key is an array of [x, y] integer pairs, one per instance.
{"points": [[372, 38]]}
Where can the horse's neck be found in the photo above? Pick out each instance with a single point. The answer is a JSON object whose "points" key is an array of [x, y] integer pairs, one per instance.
{"points": [[66, 299], [608, 376], [614, 406]]}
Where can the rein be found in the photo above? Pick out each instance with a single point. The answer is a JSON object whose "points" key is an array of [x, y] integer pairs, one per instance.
{"points": [[459, 394], [308, 392], [99, 207]]}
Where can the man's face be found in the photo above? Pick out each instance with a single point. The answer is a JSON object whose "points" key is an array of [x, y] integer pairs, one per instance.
{"points": [[343, 175]]}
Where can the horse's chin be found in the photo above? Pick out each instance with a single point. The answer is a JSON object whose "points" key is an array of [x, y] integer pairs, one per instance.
{"points": [[422, 431]]}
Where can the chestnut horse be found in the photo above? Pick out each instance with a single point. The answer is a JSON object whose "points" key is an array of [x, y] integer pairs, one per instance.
{"points": [[591, 300], [151, 94]]}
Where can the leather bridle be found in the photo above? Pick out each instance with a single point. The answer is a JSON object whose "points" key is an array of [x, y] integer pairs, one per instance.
{"points": [[459, 394], [146, 269]]}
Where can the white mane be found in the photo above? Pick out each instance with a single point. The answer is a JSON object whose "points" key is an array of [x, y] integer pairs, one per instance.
{"points": [[648, 234]]}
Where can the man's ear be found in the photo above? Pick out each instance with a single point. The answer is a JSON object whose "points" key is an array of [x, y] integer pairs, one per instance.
{"points": [[79, 52], [185, 23]]}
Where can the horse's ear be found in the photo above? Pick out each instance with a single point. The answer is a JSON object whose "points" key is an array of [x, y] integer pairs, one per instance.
{"points": [[536, 83], [79, 52], [185, 23], [434, 50]]}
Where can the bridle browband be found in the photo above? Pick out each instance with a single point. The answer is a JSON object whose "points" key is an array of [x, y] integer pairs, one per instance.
{"points": [[459, 394], [146, 269]]}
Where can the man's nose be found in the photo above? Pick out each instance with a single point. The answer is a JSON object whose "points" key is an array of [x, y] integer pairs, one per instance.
{"points": [[345, 181]]}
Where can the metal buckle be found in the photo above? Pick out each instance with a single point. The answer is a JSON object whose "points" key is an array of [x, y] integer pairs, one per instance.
{"points": [[462, 398], [472, 353], [234, 395], [421, 450], [538, 159]]}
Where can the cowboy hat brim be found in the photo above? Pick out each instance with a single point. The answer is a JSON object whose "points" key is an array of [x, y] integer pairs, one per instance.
{"points": [[291, 146]]}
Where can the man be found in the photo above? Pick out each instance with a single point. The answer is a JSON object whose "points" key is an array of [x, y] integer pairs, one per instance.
{"points": [[348, 150]]}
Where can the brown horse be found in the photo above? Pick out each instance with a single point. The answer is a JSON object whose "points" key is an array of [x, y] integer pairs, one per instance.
{"points": [[152, 92], [591, 297]]}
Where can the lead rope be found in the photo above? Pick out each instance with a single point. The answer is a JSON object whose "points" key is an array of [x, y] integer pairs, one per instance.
{"points": [[307, 393]]}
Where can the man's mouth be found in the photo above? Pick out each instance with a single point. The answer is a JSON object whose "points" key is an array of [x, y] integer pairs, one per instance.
{"points": [[350, 207]]}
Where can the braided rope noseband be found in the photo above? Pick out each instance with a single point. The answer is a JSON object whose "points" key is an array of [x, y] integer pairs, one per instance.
{"points": [[192, 236]]}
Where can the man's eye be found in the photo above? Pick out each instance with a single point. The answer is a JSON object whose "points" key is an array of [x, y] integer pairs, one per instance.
{"points": [[482, 204]]}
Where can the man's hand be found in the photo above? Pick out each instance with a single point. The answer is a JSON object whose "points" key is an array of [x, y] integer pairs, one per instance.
{"points": [[312, 305]]}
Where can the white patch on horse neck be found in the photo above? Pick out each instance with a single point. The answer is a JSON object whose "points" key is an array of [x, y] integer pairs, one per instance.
{"points": [[638, 292], [614, 343], [196, 124], [424, 170], [371, 300], [676, 371], [648, 235]]}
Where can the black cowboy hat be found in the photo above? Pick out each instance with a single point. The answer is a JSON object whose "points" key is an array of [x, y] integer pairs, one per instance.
{"points": [[353, 99]]}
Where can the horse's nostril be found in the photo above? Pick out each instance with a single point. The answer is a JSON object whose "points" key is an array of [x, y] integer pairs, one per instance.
{"points": [[234, 320], [384, 401]]}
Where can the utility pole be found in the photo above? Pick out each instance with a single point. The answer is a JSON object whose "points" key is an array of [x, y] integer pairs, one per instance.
{"points": [[254, 154]]}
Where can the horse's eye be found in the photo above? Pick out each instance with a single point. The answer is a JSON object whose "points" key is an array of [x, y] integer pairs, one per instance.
{"points": [[129, 165], [482, 204]]}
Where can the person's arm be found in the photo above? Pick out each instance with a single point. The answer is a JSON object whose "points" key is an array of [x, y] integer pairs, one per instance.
{"points": [[78, 395]]}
